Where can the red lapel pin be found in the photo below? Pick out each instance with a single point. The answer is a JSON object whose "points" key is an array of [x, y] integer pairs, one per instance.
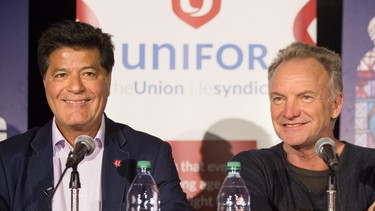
{"points": [[117, 163]]}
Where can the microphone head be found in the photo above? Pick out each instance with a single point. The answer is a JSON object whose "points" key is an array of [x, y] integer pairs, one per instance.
{"points": [[87, 141], [324, 141]]}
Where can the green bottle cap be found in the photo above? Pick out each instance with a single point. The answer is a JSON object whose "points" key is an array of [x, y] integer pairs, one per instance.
{"points": [[233, 166], [144, 164]]}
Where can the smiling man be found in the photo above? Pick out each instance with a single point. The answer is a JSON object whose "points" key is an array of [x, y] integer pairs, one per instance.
{"points": [[306, 98], [77, 88], [76, 61]]}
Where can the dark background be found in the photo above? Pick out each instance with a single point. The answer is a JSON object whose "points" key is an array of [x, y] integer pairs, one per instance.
{"points": [[42, 13]]}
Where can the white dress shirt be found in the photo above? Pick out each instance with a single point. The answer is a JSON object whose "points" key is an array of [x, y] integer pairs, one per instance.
{"points": [[89, 170]]}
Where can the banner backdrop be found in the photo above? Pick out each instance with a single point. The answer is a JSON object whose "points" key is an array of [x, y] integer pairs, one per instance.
{"points": [[194, 73], [357, 123], [13, 67]]}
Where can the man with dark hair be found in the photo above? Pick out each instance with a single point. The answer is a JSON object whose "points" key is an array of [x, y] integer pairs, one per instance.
{"points": [[76, 61]]}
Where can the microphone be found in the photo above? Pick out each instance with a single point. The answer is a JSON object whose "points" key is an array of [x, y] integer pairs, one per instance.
{"points": [[326, 149], [83, 145]]}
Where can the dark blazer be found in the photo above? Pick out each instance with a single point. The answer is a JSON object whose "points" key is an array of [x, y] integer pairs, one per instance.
{"points": [[26, 169]]}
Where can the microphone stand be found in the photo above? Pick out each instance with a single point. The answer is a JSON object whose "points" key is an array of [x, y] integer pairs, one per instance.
{"points": [[74, 185], [331, 192]]}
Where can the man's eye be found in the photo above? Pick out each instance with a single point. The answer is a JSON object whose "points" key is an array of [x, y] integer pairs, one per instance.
{"points": [[89, 74], [277, 100], [307, 98], [60, 75]]}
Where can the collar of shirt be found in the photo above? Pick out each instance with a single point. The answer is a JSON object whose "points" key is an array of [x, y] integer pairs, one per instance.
{"points": [[59, 142]]}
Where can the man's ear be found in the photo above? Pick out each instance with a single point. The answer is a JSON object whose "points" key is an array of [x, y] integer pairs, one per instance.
{"points": [[337, 105]]}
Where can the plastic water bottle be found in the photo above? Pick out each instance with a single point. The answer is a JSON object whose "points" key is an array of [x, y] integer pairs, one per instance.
{"points": [[143, 193], [233, 194]]}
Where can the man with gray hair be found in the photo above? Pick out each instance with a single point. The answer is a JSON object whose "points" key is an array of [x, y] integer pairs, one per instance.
{"points": [[306, 98]]}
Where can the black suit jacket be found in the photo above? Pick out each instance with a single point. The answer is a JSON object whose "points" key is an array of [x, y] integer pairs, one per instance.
{"points": [[26, 168]]}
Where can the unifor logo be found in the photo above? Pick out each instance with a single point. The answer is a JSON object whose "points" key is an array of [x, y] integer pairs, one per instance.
{"points": [[196, 12]]}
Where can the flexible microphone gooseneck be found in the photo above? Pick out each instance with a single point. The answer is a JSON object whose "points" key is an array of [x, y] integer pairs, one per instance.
{"points": [[83, 145]]}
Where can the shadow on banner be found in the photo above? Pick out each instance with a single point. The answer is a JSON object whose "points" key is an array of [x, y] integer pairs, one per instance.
{"points": [[202, 163]]}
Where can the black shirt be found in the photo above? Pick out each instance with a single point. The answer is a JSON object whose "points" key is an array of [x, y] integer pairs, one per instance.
{"points": [[273, 186]]}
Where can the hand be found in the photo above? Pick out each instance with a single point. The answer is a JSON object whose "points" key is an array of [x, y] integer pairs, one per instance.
{"points": [[372, 207]]}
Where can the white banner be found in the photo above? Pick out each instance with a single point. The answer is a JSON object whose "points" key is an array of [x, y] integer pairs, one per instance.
{"points": [[194, 73], [175, 79]]}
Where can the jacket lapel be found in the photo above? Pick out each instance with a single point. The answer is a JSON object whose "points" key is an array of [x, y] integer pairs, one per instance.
{"points": [[114, 168], [40, 169]]}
